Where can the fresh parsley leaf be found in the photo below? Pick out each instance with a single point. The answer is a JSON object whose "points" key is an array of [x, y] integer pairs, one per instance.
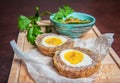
{"points": [[30, 36], [59, 16], [23, 22], [62, 13], [37, 16], [37, 19], [37, 30], [68, 10], [31, 26]]}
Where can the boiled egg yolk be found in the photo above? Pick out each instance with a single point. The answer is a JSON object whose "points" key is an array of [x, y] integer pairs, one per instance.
{"points": [[74, 57], [53, 41]]}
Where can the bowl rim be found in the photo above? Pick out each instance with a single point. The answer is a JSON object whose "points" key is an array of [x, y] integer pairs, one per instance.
{"points": [[88, 24]]}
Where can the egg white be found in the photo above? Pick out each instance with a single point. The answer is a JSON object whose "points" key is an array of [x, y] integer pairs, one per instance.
{"points": [[85, 62], [49, 36]]}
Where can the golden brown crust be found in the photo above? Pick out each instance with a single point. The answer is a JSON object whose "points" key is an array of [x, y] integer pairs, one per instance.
{"points": [[49, 51], [76, 72]]}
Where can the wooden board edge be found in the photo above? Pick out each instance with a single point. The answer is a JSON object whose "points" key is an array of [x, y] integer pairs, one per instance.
{"points": [[24, 76], [107, 81], [44, 23], [115, 57], [16, 63], [97, 32], [113, 54]]}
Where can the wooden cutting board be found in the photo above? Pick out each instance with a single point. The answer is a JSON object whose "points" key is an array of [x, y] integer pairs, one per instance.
{"points": [[110, 70]]}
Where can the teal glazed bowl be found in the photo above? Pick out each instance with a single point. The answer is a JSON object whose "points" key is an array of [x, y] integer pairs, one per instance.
{"points": [[74, 30]]}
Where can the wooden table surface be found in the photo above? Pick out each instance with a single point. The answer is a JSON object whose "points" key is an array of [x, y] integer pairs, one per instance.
{"points": [[106, 13]]}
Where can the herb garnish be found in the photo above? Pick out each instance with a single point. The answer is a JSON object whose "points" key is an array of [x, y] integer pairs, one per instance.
{"points": [[30, 25], [63, 13]]}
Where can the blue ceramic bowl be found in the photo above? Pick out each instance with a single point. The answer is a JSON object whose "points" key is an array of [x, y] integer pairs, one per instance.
{"points": [[74, 30]]}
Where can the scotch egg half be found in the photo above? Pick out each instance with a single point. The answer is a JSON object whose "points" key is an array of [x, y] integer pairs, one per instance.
{"points": [[75, 58], [76, 62], [49, 43]]}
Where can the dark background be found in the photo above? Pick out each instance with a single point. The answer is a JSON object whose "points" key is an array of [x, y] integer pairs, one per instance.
{"points": [[106, 12]]}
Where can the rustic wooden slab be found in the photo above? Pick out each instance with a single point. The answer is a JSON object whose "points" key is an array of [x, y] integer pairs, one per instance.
{"points": [[110, 70]]}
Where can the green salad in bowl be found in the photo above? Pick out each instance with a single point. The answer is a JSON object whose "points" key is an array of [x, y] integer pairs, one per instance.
{"points": [[71, 23]]}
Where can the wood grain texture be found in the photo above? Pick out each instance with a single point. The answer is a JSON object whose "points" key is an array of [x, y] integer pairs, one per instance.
{"points": [[16, 64]]}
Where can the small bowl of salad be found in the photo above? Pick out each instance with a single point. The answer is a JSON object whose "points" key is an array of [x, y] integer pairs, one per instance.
{"points": [[73, 24]]}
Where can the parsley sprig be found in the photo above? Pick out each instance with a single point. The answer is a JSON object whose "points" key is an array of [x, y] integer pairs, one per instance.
{"points": [[62, 13], [30, 25], [62, 16]]}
